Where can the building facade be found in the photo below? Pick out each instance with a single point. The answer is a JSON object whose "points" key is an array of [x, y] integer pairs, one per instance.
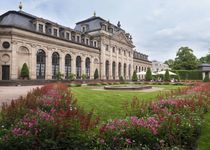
{"points": [[159, 66], [49, 48]]}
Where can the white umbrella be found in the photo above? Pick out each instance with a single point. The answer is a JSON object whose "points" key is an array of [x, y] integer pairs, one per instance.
{"points": [[163, 73], [141, 73], [144, 73]]}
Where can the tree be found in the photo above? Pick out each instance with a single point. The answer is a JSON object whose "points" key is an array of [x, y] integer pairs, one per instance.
{"points": [[204, 60], [185, 59], [148, 76], [167, 76], [24, 71], [134, 77], [170, 63], [96, 74]]}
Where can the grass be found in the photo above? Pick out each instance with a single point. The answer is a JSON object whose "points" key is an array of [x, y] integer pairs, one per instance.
{"points": [[203, 142], [109, 104]]}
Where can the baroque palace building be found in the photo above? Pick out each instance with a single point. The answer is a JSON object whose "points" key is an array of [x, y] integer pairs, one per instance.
{"points": [[49, 48]]}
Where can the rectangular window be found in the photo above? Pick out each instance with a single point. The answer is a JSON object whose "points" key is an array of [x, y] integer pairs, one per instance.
{"points": [[87, 41], [83, 29], [78, 40], [41, 28], [113, 49], [119, 51], [55, 32], [107, 47], [67, 35], [95, 44]]}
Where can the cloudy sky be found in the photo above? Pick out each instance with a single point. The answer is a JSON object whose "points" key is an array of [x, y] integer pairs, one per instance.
{"points": [[159, 27]]}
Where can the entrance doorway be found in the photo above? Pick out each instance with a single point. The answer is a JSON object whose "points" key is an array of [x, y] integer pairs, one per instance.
{"points": [[5, 72]]}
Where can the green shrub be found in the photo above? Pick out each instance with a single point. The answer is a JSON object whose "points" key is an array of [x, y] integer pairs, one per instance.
{"points": [[24, 71], [134, 77], [96, 76], [189, 74], [59, 76], [167, 76], [84, 76], [121, 79], [72, 76], [206, 79], [148, 76]]}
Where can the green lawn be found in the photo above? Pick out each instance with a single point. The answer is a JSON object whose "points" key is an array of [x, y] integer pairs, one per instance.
{"points": [[108, 104], [204, 140]]}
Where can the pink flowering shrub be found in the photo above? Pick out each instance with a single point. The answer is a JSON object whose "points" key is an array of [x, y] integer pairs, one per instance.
{"points": [[52, 121], [173, 121]]}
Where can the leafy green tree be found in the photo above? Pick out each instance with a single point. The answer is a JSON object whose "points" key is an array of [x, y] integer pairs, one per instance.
{"points": [[204, 60], [167, 76], [148, 76], [96, 74], [134, 77], [185, 59], [170, 63], [24, 71]]}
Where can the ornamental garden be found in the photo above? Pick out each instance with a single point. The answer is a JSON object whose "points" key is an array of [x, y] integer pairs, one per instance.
{"points": [[57, 116]]}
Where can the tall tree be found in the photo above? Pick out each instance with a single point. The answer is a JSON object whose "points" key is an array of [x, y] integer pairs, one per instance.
{"points": [[205, 59], [148, 76], [170, 63], [185, 59]]}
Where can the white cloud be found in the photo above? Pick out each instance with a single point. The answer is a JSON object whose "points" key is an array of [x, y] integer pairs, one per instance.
{"points": [[159, 27]]}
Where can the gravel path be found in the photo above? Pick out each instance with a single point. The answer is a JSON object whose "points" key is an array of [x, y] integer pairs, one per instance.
{"points": [[7, 93]]}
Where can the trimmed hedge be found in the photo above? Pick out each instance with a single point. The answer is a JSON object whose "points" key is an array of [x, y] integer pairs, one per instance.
{"points": [[189, 74]]}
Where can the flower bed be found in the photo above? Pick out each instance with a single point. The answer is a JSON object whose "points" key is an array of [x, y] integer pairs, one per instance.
{"points": [[49, 118], [167, 123]]}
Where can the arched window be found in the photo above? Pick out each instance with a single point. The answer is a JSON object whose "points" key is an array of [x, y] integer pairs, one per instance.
{"points": [[87, 67], [136, 68], [40, 64], [119, 70], [113, 70], [55, 64], [107, 69], [139, 68], [124, 71], [78, 67], [129, 71], [67, 66]]}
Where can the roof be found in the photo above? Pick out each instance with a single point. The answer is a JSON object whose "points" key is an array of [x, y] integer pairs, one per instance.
{"points": [[90, 19], [22, 19], [204, 65]]}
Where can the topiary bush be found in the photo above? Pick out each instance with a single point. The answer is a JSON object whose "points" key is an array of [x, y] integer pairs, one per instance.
{"points": [[96, 75], [148, 76], [24, 71], [134, 77], [72, 76], [167, 76]]}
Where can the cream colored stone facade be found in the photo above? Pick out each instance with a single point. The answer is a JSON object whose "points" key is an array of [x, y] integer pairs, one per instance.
{"points": [[111, 53]]}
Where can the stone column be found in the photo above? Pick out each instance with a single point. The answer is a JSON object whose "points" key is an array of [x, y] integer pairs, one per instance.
{"points": [[33, 62], [62, 63], [83, 65], [73, 64], [48, 74], [14, 68]]}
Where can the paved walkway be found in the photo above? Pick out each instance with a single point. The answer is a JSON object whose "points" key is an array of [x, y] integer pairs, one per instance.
{"points": [[7, 93]]}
